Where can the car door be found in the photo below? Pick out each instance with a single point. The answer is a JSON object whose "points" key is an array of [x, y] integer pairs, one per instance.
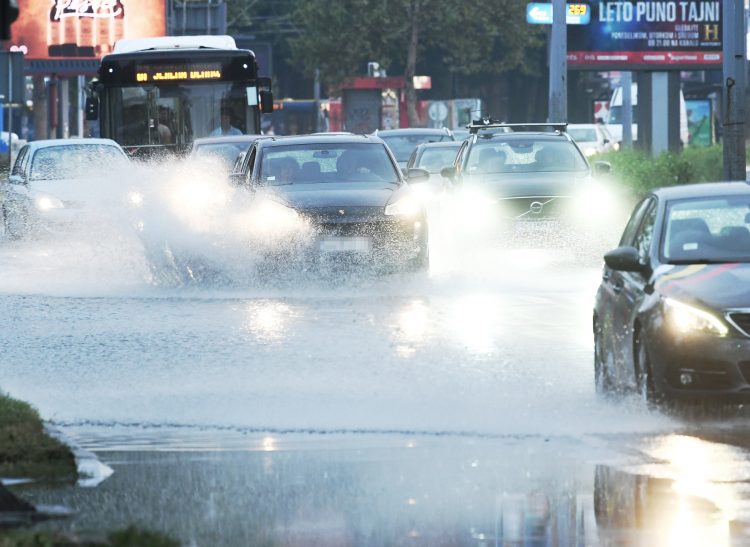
{"points": [[632, 293], [611, 306]]}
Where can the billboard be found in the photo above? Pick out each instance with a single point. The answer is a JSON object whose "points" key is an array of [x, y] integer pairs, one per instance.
{"points": [[83, 29], [648, 34]]}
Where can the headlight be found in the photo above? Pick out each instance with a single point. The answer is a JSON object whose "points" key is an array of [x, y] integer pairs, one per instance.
{"points": [[135, 199], [590, 151], [688, 319], [405, 207], [594, 202], [47, 202], [272, 218]]}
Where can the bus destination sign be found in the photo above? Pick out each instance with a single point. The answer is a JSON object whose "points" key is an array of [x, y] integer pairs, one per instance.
{"points": [[178, 72]]}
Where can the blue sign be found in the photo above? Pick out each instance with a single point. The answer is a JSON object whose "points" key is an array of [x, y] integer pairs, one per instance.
{"points": [[541, 14]]}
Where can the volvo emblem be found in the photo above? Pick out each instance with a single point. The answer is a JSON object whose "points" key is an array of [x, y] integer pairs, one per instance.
{"points": [[536, 207], [342, 212]]}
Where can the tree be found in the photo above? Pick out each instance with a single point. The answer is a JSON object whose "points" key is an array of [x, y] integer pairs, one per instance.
{"points": [[475, 37]]}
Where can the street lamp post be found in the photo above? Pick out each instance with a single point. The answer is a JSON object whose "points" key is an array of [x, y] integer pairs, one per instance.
{"points": [[733, 90], [558, 64]]}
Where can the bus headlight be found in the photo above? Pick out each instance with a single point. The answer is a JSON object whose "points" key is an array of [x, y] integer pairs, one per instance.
{"points": [[687, 319]]}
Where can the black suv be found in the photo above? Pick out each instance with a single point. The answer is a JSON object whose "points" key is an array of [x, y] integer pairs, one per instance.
{"points": [[531, 171]]}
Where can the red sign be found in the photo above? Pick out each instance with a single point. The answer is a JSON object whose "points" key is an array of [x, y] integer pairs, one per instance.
{"points": [[88, 29]]}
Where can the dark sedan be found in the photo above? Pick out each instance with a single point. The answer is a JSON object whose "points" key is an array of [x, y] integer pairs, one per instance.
{"points": [[672, 313], [334, 197]]}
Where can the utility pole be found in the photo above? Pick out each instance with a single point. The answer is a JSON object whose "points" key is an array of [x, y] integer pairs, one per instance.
{"points": [[733, 90], [558, 64]]}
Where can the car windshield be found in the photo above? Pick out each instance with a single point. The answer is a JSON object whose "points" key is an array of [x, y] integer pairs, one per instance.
{"points": [[403, 145], [433, 159], [327, 162], [708, 230], [73, 161], [523, 155], [582, 134], [227, 152]]}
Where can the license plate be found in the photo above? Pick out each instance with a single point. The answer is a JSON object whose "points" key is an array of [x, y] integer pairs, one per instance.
{"points": [[537, 226], [345, 244]]}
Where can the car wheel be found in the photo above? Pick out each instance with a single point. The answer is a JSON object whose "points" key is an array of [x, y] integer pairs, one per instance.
{"points": [[645, 382], [602, 376], [421, 262]]}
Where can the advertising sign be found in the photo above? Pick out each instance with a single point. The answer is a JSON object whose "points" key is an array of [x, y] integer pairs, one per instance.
{"points": [[541, 14], [83, 29], [643, 34], [700, 122]]}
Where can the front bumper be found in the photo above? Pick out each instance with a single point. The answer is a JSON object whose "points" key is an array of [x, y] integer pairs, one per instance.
{"points": [[701, 366], [373, 241]]}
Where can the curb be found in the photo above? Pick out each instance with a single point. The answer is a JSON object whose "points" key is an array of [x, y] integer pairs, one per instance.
{"points": [[91, 471]]}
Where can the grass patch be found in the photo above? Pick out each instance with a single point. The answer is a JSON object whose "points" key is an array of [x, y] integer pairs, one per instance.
{"points": [[639, 172], [129, 537], [25, 448]]}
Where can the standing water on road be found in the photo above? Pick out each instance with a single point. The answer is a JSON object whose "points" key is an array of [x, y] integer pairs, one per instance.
{"points": [[317, 406]]}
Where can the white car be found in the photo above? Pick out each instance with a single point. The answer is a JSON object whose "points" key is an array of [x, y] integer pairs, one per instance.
{"points": [[46, 187], [614, 117], [592, 138]]}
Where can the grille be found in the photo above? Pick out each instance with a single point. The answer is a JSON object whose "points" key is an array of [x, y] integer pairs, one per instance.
{"points": [[742, 320], [521, 208]]}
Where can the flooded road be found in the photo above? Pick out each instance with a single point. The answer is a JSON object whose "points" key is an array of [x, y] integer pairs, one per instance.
{"points": [[450, 407]]}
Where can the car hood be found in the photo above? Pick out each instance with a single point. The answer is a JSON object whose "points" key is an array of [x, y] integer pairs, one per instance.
{"points": [[717, 286], [333, 194], [64, 189], [515, 185]]}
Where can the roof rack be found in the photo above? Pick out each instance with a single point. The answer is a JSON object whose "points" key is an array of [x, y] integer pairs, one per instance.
{"points": [[488, 123]]}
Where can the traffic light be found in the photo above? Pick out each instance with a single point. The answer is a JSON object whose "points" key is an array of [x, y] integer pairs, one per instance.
{"points": [[8, 14]]}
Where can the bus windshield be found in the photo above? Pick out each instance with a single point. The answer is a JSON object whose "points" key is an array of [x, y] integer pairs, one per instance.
{"points": [[178, 114]]}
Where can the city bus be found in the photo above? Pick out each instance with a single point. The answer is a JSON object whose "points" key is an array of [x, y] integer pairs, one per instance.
{"points": [[159, 94]]}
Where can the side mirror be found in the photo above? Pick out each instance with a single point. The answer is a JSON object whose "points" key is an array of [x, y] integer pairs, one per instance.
{"points": [[602, 167], [417, 175], [92, 109], [624, 259], [17, 179], [448, 172], [606, 141], [266, 101]]}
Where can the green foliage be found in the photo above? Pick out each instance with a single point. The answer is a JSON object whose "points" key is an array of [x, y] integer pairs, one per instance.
{"points": [[129, 537], [133, 537], [473, 37], [640, 173], [25, 448]]}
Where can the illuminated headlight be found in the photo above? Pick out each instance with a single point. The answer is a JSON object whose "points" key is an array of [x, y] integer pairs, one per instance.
{"points": [[273, 217], [423, 191], [405, 207], [47, 202], [688, 319], [594, 201], [135, 199], [590, 151]]}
